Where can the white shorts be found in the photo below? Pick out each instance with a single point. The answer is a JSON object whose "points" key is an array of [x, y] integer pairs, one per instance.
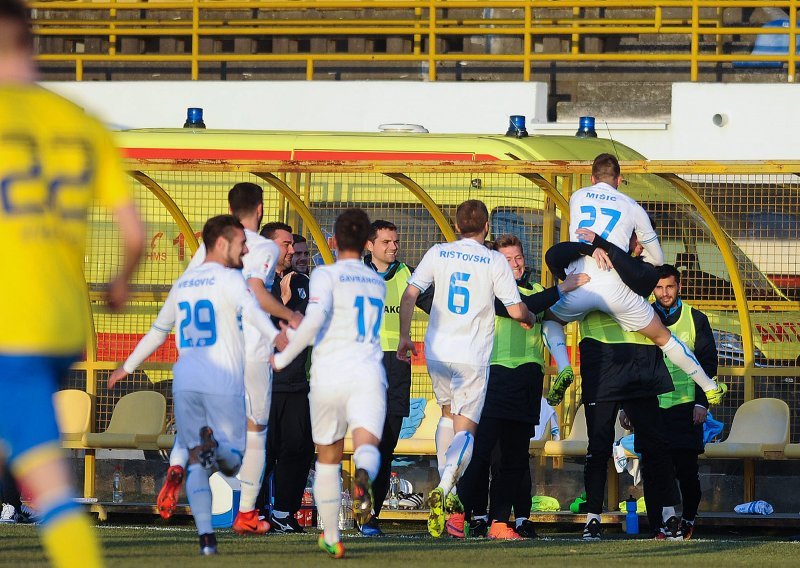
{"points": [[258, 391], [460, 385], [605, 292], [355, 398], [223, 413]]}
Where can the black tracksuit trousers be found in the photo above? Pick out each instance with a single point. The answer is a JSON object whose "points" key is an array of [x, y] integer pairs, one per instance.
{"points": [[658, 473], [513, 438]]}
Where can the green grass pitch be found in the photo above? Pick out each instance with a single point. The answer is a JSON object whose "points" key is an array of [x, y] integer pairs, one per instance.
{"points": [[157, 545]]}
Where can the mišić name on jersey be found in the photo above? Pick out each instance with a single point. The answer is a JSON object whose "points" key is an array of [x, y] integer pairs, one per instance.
{"points": [[358, 278], [600, 196], [197, 282], [465, 256]]}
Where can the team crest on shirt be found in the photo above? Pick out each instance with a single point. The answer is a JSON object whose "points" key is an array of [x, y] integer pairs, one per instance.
{"points": [[302, 293]]}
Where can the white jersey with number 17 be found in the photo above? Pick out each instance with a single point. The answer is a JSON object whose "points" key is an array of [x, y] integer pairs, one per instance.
{"points": [[352, 295], [468, 277]]}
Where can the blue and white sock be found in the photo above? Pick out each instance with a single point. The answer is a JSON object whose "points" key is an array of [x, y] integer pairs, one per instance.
{"points": [[328, 497], [251, 473], [458, 456], [198, 491], [443, 437], [368, 458]]}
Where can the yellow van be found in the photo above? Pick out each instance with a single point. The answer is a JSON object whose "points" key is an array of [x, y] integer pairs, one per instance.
{"points": [[195, 168]]}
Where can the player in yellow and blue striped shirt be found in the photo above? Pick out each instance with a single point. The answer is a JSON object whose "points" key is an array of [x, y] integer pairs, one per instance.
{"points": [[54, 162]]}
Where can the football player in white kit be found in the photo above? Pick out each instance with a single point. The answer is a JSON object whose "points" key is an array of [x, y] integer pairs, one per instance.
{"points": [[348, 383], [246, 203], [458, 342], [209, 302], [602, 209]]}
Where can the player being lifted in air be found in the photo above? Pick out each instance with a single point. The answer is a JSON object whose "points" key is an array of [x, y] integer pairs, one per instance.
{"points": [[602, 209], [209, 303], [348, 382], [458, 342]]}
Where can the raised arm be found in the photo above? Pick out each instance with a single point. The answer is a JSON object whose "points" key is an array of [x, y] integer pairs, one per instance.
{"points": [[638, 275], [254, 315], [505, 289], [419, 283], [407, 303], [259, 272], [132, 233], [320, 305], [648, 238], [147, 345]]}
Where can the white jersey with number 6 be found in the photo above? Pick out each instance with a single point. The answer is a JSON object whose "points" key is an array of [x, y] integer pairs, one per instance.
{"points": [[468, 277], [615, 217], [206, 306]]}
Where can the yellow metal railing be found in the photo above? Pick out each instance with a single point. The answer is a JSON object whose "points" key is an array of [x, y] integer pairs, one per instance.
{"points": [[424, 28]]}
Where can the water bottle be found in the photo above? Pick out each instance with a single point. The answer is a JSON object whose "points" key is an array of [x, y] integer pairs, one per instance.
{"points": [[394, 491], [116, 492], [346, 512], [631, 518]]}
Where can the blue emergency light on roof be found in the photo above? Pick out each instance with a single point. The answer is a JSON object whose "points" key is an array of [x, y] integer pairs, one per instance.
{"points": [[516, 126], [194, 118], [586, 128]]}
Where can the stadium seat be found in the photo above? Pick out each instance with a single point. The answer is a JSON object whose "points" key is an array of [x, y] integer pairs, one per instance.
{"points": [[536, 447], [760, 429], [577, 442], [137, 421], [74, 413], [423, 442], [165, 441], [792, 451]]}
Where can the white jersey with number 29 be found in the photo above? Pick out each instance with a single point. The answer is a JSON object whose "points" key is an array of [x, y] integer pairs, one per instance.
{"points": [[259, 262], [615, 217], [206, 306], [468, 277]]}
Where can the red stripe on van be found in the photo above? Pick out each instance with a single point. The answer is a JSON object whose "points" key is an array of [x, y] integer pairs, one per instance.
{"points": [[389, 156], [314, 155], [204, 154]]}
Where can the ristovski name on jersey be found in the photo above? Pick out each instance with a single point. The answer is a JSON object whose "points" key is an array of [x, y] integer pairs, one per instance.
{"points": [[468, 257]]}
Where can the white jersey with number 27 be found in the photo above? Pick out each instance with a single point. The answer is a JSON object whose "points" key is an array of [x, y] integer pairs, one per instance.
{"points": [[468, 277], [615, 217]]}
